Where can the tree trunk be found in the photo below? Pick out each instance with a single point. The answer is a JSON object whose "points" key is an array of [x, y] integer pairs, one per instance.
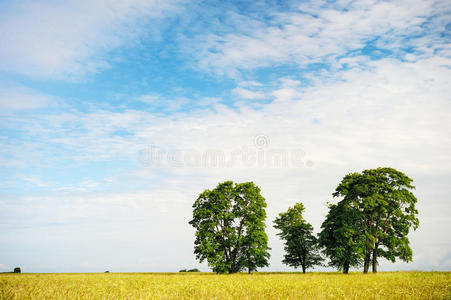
{"points": [[233, 269], [346, 268], [375, 259], [302, 260], [249, 270], [366, 264]]}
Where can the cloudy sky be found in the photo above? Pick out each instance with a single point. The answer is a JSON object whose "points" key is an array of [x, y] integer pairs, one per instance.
{"points": [[115, 115]]}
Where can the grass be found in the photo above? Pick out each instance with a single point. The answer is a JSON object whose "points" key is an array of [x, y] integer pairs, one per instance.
{"points": [[393, 285]]}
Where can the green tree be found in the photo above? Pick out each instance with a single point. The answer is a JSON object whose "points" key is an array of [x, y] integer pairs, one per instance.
{"points": [[384, 200], [230, 228], [341, 237], [255, 248], [301, 246]]}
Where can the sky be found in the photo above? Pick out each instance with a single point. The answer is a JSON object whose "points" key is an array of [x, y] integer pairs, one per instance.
{"points": [[116, 115]]}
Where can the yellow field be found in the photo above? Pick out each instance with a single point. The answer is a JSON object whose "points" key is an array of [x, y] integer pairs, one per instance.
{"points": [[397, 285]]}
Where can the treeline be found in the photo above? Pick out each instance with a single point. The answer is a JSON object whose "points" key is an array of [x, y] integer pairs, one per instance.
{"points": [[374, 214]]}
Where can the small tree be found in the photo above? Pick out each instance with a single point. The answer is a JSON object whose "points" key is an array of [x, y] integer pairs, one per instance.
{"points": [[301, 246], [17, 270], [230, 228]]}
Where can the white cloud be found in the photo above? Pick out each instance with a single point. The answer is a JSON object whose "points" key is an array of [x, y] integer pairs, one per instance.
{"points": [[321, 32], [208, 101], [150, 98], [165, 104], [248, 94], [250, 84], [19, 98], [66, 39], [36, 181]]}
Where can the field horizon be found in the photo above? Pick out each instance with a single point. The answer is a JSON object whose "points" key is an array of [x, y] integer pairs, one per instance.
{"points": [[208, 285], [244, 272]]}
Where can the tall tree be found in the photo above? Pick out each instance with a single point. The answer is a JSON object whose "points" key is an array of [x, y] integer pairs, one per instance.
{"points": [[254, 248], [301, 246], [230, 228], [383, 197], [341, 237]]}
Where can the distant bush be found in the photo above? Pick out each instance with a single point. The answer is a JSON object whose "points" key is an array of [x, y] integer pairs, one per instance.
{"points": [[190, 270], [17, 270], [107, 271]]}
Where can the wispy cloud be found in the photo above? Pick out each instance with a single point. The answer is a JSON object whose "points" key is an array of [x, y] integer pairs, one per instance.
{"points": [[63, 40], [322, 32], [248, 94], [164, 104], [19, 98]]}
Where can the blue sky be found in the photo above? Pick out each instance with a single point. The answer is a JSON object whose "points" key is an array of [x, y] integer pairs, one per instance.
{"points": [[115, 115]]}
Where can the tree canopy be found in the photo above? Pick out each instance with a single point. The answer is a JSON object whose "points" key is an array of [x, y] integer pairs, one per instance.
{"points": [[341, 238], [377, 205], [230, 228], [301, 246]]}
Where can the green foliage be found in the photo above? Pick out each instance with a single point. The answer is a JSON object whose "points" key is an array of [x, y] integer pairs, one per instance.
{"points": [[384, 206], [230, 228], [341, 237], [183, 270], [301, 246], [193, 270], [17, 270]]}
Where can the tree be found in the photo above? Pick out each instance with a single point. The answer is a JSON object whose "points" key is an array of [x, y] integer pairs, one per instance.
{"points": [[341, 237], [301, 246], [383, 199], [255, 247], [17, 270], [230, 228]]}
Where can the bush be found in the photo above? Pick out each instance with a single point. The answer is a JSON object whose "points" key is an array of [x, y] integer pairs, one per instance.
{"points": [[17, 270], [183, 270], [193, 270]]}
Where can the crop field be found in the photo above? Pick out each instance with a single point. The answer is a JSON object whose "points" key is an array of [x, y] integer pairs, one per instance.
{"points": [[393, 285]]}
